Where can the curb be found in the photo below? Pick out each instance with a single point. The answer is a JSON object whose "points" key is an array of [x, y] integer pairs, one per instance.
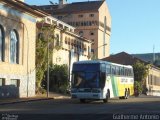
{"points": [[62, 97], [20, 101]]}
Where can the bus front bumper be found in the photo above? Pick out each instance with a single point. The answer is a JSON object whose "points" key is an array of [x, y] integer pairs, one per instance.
{"points": [[95, 96]]}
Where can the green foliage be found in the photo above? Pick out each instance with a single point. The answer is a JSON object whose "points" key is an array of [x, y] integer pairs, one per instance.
{"points": [[44, 41], [40, 90], [138, 86], [57, 47], [94, 57], [140, 71], [59, 81]]}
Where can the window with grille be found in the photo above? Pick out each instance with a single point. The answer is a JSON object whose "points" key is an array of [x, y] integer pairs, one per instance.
{"points": [[2, 81], [14, 47], [2, 43]]}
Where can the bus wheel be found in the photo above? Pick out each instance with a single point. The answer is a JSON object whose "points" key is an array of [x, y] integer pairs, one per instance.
{"points": [[126, 95], [128, 92], [121, 97], [107, 97], [82, 100]]}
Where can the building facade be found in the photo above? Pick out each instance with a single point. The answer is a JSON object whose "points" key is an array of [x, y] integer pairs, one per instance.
{"points": [[91, 20], [72, 46], [17, 48], [152, 82]]}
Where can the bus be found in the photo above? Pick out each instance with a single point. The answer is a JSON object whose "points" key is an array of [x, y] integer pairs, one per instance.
{"points": [[101, 80]]}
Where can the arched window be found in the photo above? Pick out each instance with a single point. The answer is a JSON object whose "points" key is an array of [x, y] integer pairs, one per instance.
{"points": [[14, 47], [2, 44]]}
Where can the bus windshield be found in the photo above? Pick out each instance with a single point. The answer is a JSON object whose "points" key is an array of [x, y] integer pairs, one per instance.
{"points": [[85, 80]]}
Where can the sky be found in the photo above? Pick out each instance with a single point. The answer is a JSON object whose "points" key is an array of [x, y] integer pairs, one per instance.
{"points": [[135, 24]]}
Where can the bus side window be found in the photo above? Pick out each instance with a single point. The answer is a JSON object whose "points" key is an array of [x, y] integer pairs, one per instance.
{"points": [[102, 79], [122, 71], [126, 72], [117, 70], [103, 67], [113, 70], [108, 69], [131, 72]]}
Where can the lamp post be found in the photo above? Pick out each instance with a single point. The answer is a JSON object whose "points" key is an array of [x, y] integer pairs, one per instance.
{"points": [[94, 56], [49, 44], [47, 34], [48, 68]]}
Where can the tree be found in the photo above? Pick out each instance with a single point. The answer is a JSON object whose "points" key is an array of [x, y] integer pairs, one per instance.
{"points": [[59, 81], [46, 39], [141, 72]]}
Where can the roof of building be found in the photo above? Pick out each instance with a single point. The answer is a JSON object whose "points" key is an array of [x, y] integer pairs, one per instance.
{"points": [[25, 8], [73, 7], [124, 58]]}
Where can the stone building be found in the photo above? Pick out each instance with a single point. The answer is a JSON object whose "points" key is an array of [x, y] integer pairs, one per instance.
{"points": [[17, 48], [91, 19], [72, 46]]}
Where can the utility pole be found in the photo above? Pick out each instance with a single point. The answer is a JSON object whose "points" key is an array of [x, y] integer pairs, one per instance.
{"points": [[153, 54], [95, 57]]}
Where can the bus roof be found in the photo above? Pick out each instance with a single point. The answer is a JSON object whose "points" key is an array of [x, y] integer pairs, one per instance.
{"points": [[101, 62]]}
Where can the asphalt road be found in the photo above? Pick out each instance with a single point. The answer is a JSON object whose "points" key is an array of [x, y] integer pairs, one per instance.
{"points": [[70, 109]]}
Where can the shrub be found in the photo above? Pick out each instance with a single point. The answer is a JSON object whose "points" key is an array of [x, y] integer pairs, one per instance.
{"points": [[58, 77], [138, 86]]}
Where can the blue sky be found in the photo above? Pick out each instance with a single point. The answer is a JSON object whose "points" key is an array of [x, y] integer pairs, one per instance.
{"points": [[135, 24]]}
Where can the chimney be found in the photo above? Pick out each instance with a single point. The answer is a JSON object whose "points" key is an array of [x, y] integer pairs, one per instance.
{"points": [[62, 2]]}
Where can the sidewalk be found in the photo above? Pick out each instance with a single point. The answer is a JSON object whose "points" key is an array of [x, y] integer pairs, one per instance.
{"points": [[52, 95]]}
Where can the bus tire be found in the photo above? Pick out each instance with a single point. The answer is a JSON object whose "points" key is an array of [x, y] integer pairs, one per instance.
{"points": [[126, 95], [107, 97], [128, 92], [82, 100], [121, 97]]}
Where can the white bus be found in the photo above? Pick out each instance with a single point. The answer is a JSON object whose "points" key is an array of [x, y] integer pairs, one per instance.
{"points": [[101, 80]]}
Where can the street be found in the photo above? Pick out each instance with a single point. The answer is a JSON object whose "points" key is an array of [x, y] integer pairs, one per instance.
{"points": [[133, 105]]}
